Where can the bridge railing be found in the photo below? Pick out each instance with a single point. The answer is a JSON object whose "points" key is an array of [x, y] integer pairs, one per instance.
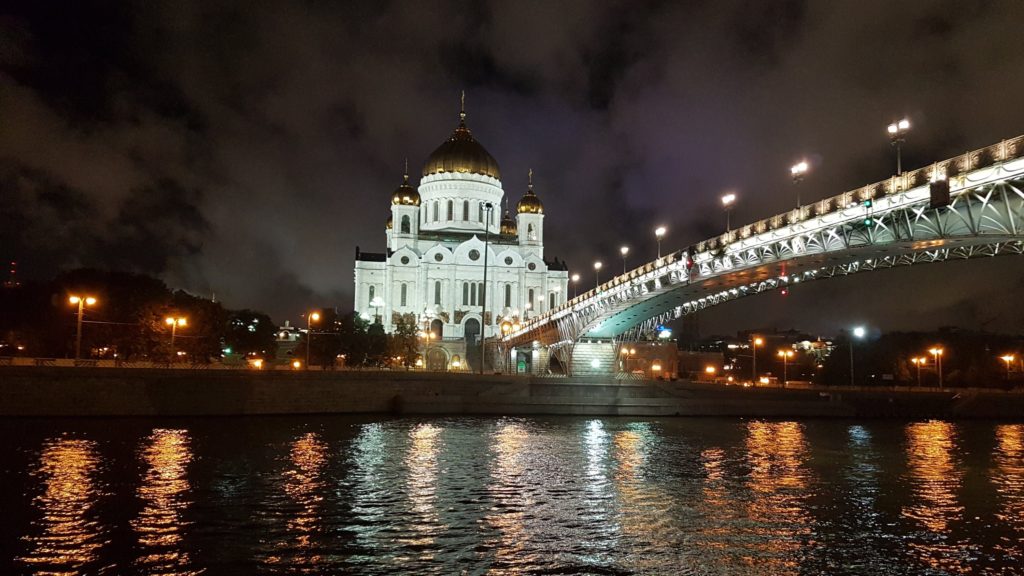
{"points": [[950, 168]]}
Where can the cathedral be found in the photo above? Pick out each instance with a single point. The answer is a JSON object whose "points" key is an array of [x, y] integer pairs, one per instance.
{"points": [[441, 237]]}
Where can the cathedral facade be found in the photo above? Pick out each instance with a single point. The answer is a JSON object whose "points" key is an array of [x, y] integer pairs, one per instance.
{"points": [[433, 271]]}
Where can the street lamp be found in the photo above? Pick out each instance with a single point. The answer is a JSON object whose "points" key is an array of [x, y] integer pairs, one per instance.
{"points": [[174, 323], [489, 207], [785, 355], [857, 332], [1008, 358], [936, 353], [728, 201], [624, 250], [80, 301], [376, 303], [798, 171], [575, 282], [897, 134], [597, 275], [310, 318], [659, 233], [918, 362], [755, 342]]}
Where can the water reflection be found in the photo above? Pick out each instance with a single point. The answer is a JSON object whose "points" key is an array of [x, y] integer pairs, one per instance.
{"points": [[164, 488], [421, 487], [779, 483], [303, 484], [508, 489], [935, 477], [1008, 479], [70, 537]]}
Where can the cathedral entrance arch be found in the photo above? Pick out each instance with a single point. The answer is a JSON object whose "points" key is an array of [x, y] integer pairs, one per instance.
{"points": [[437, 328], [472, 331], [437, 360]]}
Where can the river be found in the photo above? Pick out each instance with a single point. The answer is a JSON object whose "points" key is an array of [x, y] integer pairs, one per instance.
{"points": [[361, 495]]}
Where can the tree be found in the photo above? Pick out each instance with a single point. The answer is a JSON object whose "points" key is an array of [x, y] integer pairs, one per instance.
{"points": [[251, 332]]}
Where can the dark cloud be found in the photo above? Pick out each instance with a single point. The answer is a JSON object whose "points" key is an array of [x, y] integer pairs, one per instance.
{"points": [[246, 148]]}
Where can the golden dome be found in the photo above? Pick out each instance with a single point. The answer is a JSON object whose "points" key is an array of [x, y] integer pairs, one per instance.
{"points": [[461, 153], [530, 203], [405, 194], [391, 222], [508, 225]]}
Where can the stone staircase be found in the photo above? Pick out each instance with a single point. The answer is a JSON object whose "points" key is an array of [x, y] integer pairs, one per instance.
{"points": [[593, 359]]}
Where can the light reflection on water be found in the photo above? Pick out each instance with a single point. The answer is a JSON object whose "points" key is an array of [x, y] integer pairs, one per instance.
{"points": [[517, 496], [164, 491], [66, 538]]}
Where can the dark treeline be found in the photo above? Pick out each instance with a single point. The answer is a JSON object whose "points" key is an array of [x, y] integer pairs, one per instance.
{"points": [[969, 358], [128, 322]]}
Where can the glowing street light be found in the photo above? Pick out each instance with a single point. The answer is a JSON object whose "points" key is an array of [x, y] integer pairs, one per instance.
{"points": [[624, 250], [857, 332], [728, 201], [659, 233], [919, 362], [575, 281], [597, 275], [897, 134], [80, 301], [1008, 358], [936, 353], [174, 323], [798, 171], [754, 343], [785, 355], [310, 318]]}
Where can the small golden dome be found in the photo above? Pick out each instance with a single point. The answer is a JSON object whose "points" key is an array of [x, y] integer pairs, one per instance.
{"points": [[405, 194], [508, 225], [461, 153], [391, 222], [530, 203]]}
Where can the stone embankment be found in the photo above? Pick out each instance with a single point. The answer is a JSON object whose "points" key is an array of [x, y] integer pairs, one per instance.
{"points": [[55, 391]]}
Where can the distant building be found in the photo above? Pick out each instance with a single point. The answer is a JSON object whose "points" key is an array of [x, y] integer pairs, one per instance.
{"points": [[432, 274], [12, 276], [287, 340]]}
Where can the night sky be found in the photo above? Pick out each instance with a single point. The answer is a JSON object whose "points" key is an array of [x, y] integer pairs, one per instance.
{"points": [[245, 148]]}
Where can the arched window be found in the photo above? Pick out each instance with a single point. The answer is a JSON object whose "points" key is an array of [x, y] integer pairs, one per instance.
{"points": [[435, 211], [465, 210], [465, 293], [529, 298], [437, 292], [472, 295], [508, 295], [404, 291], [531, 234], [551, 301], [406, 225], [451, 210], [370, 299], [481, 217]]}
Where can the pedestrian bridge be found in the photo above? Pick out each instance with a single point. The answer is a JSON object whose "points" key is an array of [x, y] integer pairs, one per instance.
{"points": [[905, 220]]}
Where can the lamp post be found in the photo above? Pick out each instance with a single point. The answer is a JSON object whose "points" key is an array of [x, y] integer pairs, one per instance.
{"points": [[659, 233], [624, 250], [597, 275], [81, 302], [897, 134], [857, 332], [377, 303], [575, 282], [1008, 358], [754, 343], [310, 318], [174, 323], [918, 362], [488, 207], [936, 353], [728, 201], [798, 171], [785, 355]]}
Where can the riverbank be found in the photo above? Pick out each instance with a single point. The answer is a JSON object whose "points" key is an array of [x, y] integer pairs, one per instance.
{"points": [[57, 391]]}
